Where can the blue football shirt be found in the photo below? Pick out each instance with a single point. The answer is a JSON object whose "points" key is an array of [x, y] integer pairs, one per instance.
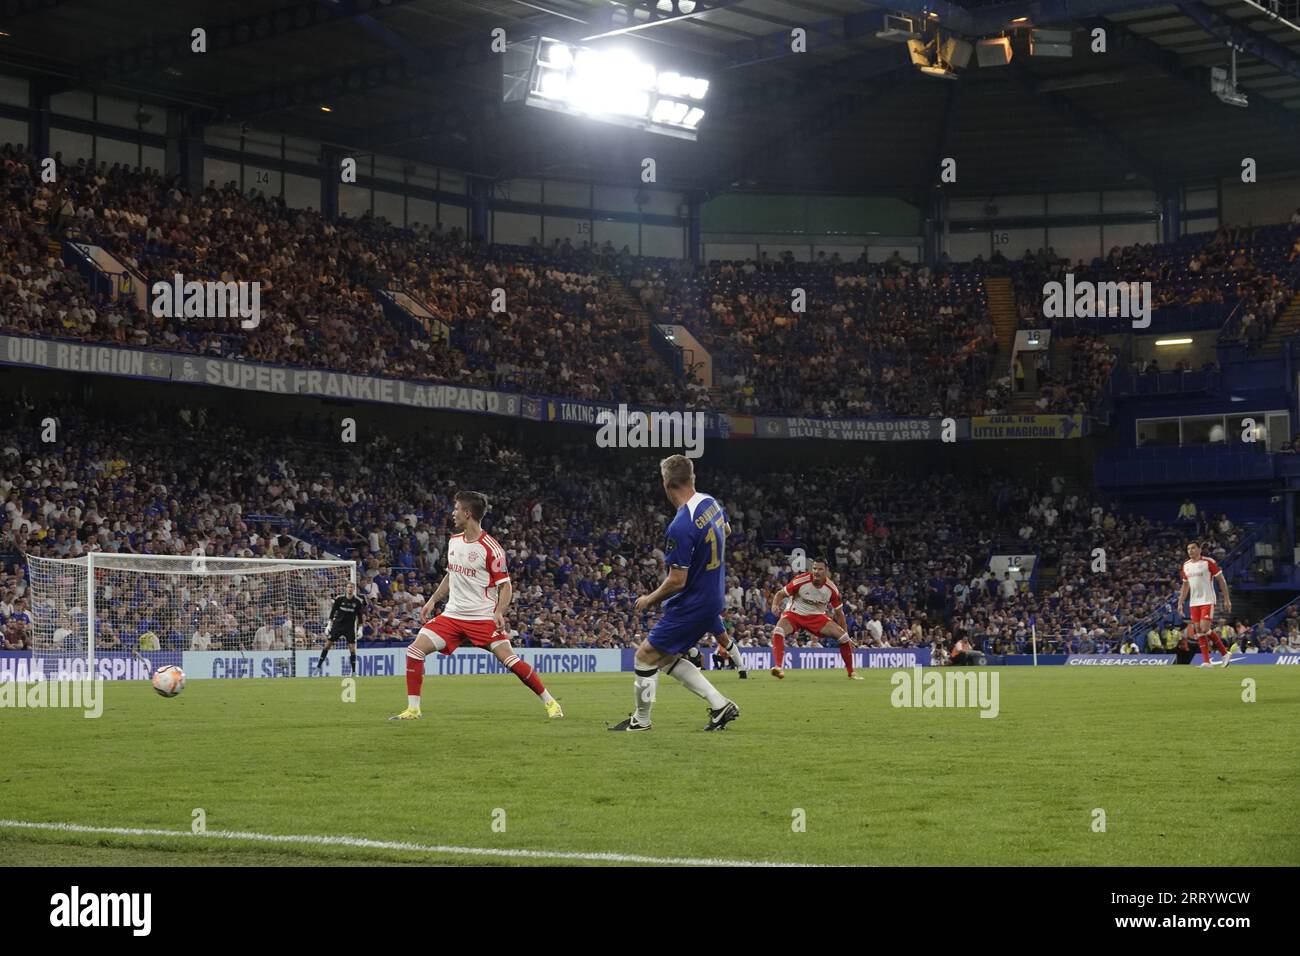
{"points": [[697, 541]]}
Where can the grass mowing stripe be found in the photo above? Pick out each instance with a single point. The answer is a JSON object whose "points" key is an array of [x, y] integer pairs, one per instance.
{"points": [[386, 845]]}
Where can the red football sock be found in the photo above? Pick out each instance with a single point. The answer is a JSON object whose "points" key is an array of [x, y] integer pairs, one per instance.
{"points": [[525, 672], [778, 649], [1218, 642], [1205, 647], [846, 652], [414, 672]]}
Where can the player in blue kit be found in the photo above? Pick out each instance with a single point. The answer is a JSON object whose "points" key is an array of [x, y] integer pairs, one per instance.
{"points": [[692, 595]]}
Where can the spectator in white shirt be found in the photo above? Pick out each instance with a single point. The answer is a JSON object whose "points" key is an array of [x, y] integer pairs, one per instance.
{"points": [[265, 637], [876, 630]]}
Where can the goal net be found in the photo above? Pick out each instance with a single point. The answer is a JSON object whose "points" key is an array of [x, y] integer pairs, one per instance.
{"points": [[160, 606]]}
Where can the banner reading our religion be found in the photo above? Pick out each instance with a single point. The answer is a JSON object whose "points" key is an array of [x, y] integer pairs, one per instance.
{"points": [[76, 357]]}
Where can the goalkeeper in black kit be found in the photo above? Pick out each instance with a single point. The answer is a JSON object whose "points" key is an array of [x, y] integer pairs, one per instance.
{"points": [[345, 622]]}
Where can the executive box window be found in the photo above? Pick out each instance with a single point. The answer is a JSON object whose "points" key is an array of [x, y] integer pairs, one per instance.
{"points": [[1265, 431], [1204, 431], [1157, 431]]}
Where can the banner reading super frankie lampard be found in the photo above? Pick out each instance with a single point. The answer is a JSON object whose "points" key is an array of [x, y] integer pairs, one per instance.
{"points": [[366, 388]]}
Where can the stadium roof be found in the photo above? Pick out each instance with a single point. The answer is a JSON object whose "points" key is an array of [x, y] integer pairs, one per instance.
{"points": [[416, 78]]}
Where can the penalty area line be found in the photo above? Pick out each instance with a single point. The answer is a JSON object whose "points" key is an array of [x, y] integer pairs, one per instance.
{"points": [[363, 843]]}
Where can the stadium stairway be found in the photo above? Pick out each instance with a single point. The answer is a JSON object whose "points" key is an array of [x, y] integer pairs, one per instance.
{"points": [[1001, 298], [623, 296], [406, 311], [1046, 576], [1287, 325], [1255, 605], [1061, 354]]}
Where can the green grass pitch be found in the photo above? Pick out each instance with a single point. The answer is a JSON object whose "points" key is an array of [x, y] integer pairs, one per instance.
{"points": [[1185, 771]]}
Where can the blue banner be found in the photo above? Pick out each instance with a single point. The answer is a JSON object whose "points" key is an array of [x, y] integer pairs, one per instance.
{"points": [[1014, 660], [109, 665], [828, 658], [202, 664], [567, 411], [858, 429], [391, 662], [1130, 660], [1148, 660]]}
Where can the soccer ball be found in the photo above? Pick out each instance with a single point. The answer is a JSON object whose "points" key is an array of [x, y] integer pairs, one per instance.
{"points": [[169, 681]]}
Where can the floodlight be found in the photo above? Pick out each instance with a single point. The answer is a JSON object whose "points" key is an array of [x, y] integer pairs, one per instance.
{"points": [[612, 85], [556, 55]]}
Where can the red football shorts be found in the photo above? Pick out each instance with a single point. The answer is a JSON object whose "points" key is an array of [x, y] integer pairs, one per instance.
{"points": [[812, 623], [456, 632], [1202, 612]]}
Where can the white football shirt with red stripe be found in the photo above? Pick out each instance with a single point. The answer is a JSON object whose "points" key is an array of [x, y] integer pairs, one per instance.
{"points": [[809, 598], [475, 569], [1199, 576]]}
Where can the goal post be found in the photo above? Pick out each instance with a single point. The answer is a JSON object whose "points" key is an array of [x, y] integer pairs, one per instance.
{"points": [[105, 600]]}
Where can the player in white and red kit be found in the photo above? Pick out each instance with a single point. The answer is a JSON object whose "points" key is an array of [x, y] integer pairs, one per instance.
{"points": [[479, 587], [813, 599], [1199, 575]]}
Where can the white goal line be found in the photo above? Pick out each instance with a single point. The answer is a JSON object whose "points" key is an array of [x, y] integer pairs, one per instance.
{"points": [[361, 842]]}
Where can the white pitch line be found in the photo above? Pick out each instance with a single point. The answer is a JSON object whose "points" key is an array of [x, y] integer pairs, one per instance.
{"points": [[388, 845]]}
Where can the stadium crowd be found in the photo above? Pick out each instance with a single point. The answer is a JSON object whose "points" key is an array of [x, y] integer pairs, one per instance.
{"points": [[1253, 267], [562, 331], [872, 339], [158, 481], [889, 338]]}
